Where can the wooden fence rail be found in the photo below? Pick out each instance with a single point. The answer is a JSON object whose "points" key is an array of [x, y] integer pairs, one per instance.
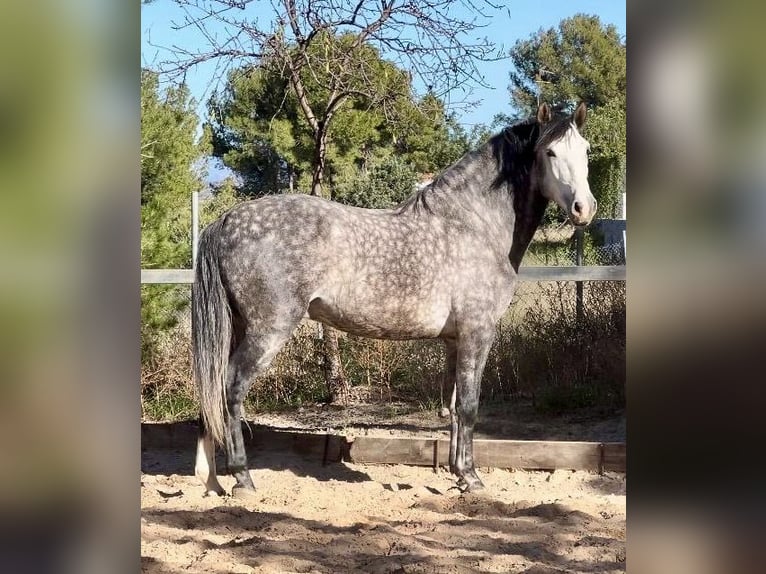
{"points": [[556, 273], [150, 276]]}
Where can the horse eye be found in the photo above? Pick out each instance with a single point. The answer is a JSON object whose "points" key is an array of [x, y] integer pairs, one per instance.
{"points": [[550, 153]]}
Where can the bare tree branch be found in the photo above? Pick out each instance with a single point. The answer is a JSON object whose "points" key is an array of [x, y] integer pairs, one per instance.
{"points": [[425, 37], [421, 35]]}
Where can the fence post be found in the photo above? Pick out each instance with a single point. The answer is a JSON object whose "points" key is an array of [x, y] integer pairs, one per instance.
{"points": [[624, 246], [195, 227], [579, 257]]}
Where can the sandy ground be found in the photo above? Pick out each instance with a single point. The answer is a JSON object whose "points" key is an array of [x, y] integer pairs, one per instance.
{"points": [[346, 517]]}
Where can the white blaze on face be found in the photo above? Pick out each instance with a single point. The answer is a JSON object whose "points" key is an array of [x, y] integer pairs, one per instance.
{"points": [[566, 174]]}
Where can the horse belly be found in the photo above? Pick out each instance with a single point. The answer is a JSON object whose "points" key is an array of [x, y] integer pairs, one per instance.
{"points": [[382, 318]]}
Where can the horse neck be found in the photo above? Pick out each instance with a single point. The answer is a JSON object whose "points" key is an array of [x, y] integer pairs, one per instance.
{"points": [[529, 211], [503, 203], [491, 194], [515, 150], [468, 194]]}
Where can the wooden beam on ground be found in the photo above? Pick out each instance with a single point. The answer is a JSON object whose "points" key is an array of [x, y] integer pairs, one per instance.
{"points": [[327, 448], [521, 454], [168, 435], [615, 456], [317, 447]]}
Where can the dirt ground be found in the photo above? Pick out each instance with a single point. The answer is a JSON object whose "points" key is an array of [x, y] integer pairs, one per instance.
{"points": [[347, 517]]}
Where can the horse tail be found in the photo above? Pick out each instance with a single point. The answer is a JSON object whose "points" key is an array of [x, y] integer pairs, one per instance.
{"points": [[211, 333]]}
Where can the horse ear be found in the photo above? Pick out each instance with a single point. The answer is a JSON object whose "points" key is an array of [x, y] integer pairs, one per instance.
{"points": [[544, 113], [579, 115]]}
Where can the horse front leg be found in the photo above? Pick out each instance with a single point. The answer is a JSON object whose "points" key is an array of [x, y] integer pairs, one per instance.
{"points": [[472, 355]]}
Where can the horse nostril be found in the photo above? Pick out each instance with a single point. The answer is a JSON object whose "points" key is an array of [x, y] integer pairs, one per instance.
{"points": [[577, 208]]}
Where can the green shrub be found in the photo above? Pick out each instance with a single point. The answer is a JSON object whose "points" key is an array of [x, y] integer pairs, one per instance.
{"points": [[296, 375], [383, 186]]}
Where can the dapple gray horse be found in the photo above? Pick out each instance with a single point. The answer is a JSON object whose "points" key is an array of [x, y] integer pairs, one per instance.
{"points": [[443, 264]]}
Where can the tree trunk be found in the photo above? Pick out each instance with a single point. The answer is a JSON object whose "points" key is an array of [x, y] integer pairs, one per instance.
{"points": [[316, 182], [291, 178], [320, 154], [335, 378]]}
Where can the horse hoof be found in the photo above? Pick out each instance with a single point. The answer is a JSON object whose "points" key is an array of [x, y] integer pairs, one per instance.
{"points": [[469, 481], [242, 493], [473, 487], [215, 492]]}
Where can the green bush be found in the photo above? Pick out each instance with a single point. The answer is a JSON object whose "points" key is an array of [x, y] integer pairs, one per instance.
{"points": [[383, 186], [167, 388], [394, 370]]}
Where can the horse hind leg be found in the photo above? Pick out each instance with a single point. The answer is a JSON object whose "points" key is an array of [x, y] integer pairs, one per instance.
{"points": [[449, 381], [250, 359], [204, 467]]}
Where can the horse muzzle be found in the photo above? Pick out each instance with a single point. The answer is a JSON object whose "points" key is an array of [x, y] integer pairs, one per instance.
{"points": [[581, 212]]}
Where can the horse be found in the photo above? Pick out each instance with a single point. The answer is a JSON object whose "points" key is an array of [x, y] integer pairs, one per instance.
{"points": [[443, 265]]}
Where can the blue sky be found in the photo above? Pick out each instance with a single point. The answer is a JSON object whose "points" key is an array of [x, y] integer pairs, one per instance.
{"points": [[518, 20]]}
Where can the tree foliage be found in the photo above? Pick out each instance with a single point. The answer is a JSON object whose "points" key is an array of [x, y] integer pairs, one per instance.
{"points": [[168, 176], [258, 129], [382, 187], [432, 139], [581, 60], [605, 129], [606, 132], [225, 195], [169, 153]]}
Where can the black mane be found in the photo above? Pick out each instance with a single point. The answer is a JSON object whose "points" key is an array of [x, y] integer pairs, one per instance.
{"points": [[514, 150]]}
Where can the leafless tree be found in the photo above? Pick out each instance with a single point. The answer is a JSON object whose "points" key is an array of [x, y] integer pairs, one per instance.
{"points": [[437, 41]]}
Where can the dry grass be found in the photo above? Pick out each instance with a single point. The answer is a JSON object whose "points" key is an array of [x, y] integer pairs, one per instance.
{"points": [[167, 388], [542, 352]]}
